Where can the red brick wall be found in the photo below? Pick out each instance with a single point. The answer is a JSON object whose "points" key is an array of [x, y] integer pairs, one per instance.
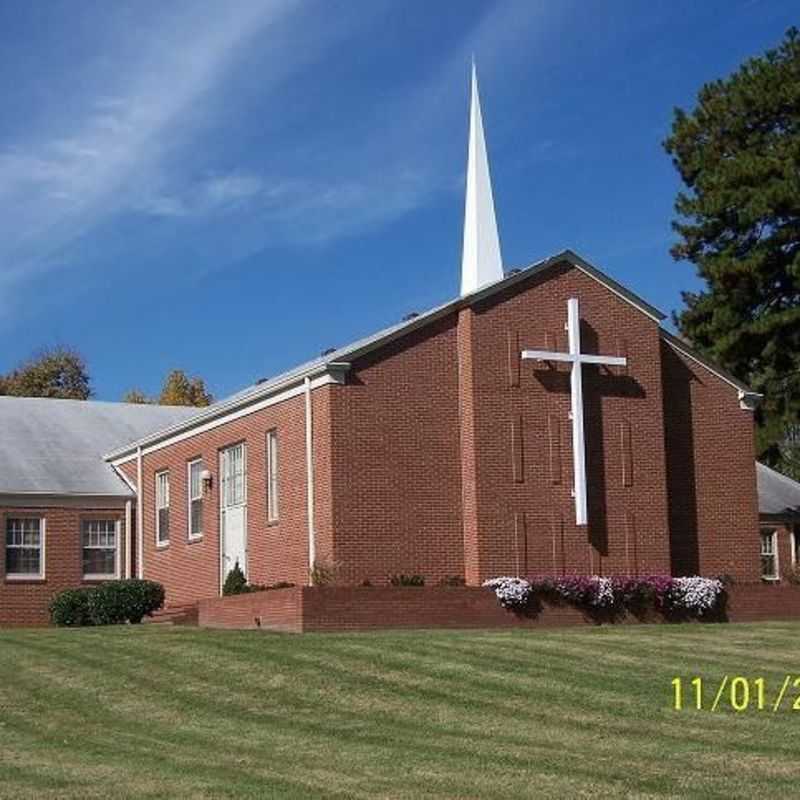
{"points": [[396, 478], [445, 455], [277, 551], [711, 480], [25, 602], [368, 608], [523, 441]]}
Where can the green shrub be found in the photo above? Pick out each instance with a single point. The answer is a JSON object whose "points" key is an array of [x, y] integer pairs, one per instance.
{"points": [[71, 607], [235, 582], [406, 580], [111, 603]]}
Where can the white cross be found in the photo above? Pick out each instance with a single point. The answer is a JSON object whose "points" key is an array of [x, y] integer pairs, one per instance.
{"points": [[577, 359]]}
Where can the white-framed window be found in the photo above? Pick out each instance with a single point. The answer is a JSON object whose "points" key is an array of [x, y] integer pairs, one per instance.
{"points": [[272, 476], [795, 543], [234, 475], [769, 554], [100, 548], [195, 495], [162, 507], [25, 548]]}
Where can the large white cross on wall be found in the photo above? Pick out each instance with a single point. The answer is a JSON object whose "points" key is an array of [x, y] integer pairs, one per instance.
{"points": [[577, 359]]}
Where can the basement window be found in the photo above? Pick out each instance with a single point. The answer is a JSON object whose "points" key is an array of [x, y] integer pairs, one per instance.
{"points": [[24, 548], [100, 541], [769, 554], [162, 508]]}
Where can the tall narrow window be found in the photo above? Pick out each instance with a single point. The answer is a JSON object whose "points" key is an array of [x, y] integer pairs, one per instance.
{"points": [[24, 548], [100, 548], [195, 510], [233, 475], [272, 476], [769, 555], [162, 507]]}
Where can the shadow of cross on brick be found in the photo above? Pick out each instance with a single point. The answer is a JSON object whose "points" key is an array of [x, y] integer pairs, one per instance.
{"points": [[586, 387]]}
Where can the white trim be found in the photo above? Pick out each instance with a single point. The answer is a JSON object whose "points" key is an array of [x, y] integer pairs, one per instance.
{"points": [[159, 541], [128, 538], [312, 544], [272, 475], [117, 458], [139, 515], [745, 396], [115, 576], [131, 485], [222, 506], [769, 530], [28, 576], [793, 544], [193, 537]]}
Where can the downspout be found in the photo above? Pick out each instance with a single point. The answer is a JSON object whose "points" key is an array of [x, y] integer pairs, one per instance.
{"points": [[139, 515], [312, 546], [128, 533]]}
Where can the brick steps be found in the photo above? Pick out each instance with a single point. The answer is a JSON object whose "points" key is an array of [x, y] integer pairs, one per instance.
{"points": [[180, 614]]}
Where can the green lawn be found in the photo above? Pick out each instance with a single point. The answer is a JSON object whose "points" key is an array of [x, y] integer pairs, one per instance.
{"points": [[189, 713]]}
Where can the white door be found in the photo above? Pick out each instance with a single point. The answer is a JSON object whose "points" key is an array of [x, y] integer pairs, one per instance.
{"points": [[233, 509]]}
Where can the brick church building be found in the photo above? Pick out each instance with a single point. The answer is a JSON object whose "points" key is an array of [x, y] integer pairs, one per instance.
{"points": [[543, 422]]}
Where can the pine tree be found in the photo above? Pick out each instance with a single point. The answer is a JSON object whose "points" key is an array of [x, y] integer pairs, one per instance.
{"points": [[738, 153]]}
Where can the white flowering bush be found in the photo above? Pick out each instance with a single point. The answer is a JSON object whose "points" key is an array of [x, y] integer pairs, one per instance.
{"points": [[607, 598], [603, 593], [511, 592], [695, 594]]}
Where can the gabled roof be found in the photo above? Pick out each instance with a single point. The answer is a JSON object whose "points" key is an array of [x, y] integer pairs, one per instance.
{"points": [[746, 394], [336, 362], [778, 496], [56, 447]]}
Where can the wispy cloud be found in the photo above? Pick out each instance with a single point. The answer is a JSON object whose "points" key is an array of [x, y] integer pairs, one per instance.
{"points": [[126, 152]]}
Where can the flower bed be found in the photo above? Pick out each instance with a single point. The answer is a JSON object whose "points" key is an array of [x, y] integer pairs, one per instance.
{"points": [[600, 597]]}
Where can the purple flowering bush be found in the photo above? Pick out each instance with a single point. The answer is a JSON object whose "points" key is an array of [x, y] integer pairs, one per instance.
{"points": [[693, 596]]}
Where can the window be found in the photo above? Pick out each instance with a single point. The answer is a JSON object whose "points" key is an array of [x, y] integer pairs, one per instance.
{"points": [[100, 551], [233, 475], [24, 547], [769, 555], [162, 507], [195, 499], [272, 476]]}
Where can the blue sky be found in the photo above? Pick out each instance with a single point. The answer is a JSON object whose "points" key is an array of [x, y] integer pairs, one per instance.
{"points": [[231, 188]]}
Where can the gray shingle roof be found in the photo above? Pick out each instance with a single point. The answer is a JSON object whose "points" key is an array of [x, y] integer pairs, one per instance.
{"points": [[56, 446], [778, 496]]}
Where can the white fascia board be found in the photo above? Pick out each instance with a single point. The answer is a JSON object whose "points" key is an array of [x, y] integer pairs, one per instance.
{"points": [[334, 376], [748, 399]]}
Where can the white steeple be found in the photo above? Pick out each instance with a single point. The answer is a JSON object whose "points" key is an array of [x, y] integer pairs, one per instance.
{"points": [[480, 261]]}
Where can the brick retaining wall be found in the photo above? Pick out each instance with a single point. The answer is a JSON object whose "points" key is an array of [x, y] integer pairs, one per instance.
{"points": [[342, 608]]}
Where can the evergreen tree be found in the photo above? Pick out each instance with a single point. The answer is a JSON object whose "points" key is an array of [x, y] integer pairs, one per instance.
{"points": [[738, 153]]}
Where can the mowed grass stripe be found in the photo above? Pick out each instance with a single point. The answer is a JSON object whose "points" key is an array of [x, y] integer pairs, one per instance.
{"points": [[162, 713]]}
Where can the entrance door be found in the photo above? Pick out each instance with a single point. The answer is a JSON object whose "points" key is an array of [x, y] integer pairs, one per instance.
{"points": [[233, 509]]}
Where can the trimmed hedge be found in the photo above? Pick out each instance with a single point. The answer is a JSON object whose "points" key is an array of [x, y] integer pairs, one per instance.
{"points": [[111, 603]]}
